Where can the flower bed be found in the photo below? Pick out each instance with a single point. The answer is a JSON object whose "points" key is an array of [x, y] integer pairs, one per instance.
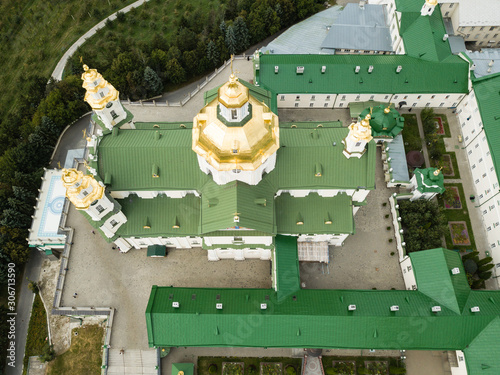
{"points": [[271, 368], [439, 125], [447, 165], [232, 368], [459, 233], [344, 367], [377, 367], [455, 202]]}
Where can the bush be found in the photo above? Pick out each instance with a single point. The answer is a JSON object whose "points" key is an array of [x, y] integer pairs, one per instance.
{"points": [[392, 253], [485, 275], [485, 267], [484, 261], [388, 228], [48, 353], [386, 216], [290, 370], [384, 204], [470, 255], [252, 370], [33, 286], [390, 241], [397, 370], [212, 369], [330, 371]]}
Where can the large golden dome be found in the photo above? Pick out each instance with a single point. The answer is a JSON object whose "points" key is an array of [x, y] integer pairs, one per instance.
{"points": [[81, 189], [242, 144], [99, 91]]}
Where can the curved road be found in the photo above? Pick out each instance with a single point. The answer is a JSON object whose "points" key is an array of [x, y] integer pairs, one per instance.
{"points": [[58, 71]]}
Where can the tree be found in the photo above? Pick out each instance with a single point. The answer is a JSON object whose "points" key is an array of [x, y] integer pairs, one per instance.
{"points": [[48, 353], [222, 28], [213, 53], [231, 40], [241, 34], [152, 83], [175, 71]]}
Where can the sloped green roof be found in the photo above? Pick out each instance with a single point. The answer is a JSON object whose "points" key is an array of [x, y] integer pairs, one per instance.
{"points": [[187, 368], [254, 205], [301, 150], [384, 124], [160, 214], [313, 211], [129, 156], [433, 275], [482, 356], [487, 91], [287, 266], [156, 251], [417, 75], [427, 182], [318, 318]]}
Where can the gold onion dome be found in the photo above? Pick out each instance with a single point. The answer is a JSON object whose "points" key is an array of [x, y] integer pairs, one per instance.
{"points": [[432, 2], [77, 188], [99, 91], [242, 143], [361, 131]]}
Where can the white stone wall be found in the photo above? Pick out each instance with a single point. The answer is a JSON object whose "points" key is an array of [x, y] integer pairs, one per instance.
{"points": [[358, 195], [224, 241], [239, 254], [149, 194], [111, 225], [484, 177], [332, 239], [461, 369], [249, 177], [427, 100], [100, 208], [306, 100], [343, 100], [177, 242], [106, 116], [408, 274]]}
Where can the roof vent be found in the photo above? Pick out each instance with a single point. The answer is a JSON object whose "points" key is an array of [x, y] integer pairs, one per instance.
{"points": [[370, 69], [445, 37], [399, 68], [394, 308], [351, 307], [491, 62], [455, 271], [176, 305], [473, 67], [236, 219], [357, 69], [263, 306], [474, 309], [323, 69], [436, 309], [276, 69], [300, 70], [218, 306]]}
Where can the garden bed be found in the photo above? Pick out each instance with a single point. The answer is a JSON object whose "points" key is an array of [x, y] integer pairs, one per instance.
{"points": [[251, 364], [233, 368], [377, 367], [459, 233], [454, 203], [439, 125], [271, 368], [344, 367], [444, 123], [449, 163]]}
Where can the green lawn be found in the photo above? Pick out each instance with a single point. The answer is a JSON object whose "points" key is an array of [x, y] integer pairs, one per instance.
{"points": [[84, 357], [458, 215], [205, 362], [37, 331], [411, 136], [34, 35]]}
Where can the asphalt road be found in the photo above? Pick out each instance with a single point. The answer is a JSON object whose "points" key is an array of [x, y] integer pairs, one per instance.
{"points": [[23, 309]]}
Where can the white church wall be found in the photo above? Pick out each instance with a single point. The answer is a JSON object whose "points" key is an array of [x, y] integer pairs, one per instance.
{"points": [[111, 225], [239, 254], [461, 369], [408, 274], [230, 240], [148, 194], [306, 100]]}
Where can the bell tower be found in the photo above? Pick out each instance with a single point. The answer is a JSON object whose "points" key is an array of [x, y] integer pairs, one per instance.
{"points": [[360, 133]]}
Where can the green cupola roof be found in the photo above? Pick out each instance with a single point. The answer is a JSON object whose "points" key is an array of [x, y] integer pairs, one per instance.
{"points": [[385, 122]]}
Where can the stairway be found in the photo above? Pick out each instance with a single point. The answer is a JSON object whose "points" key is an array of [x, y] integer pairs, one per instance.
{"points": [[132, 361]]}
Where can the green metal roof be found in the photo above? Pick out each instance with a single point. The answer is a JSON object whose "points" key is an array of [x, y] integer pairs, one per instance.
{"points": [[487, 91], [318, 318], [434, 278], [254, 206], [313, 211], [287, 266], [301, 150], [129, 156], [427, 182], [161, 214], [384, 124], [186, 368], [417, 75], [483, 355], [156, 251]]}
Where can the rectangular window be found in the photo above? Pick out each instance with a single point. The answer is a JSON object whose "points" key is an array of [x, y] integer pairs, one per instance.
{"points": [[313, 97], [296, 105], [101, 93], [414, 104], [441, 104], [311, 104], [433, 96], [328, 97], [343, 97], [447, 96], [113, 114], [234, 114], [492, 28], [297, 97], [358, 144], [470, 152], [395, 96], [341, 104], [372, 97], [418, 97], [488, 229], [405, 97], [114, 223], [481, 160], [282, 97], [476, 182], [473, 166], [481, 196], [358, 97], [325, 105], [99, 208], [427, 104], [481, 29]]}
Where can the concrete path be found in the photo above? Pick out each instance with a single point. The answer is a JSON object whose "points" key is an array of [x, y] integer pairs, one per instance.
{"points": [[313, 366], [132, 361], [427, 362], [58, 71], [71, 143], [23, 309]]}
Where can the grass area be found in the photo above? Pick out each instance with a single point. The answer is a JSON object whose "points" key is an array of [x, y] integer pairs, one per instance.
{"points": [[37, 332], [411, 136], [35, 34], [205, 362], [360, 361], [84, 357], [458, 215]]}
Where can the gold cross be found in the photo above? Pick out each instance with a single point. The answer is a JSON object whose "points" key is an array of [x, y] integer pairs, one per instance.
{"points": [[84, 131], [59, 164]]}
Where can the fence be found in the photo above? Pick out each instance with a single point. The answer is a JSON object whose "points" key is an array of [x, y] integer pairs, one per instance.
{"points": [[151, 102]]}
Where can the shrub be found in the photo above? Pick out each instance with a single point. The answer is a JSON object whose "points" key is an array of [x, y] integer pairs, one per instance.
{"points": [[386, 216], [485, 275], [484, 261], [212, 369], [470, 255], [330, 371], [384, 204], [33, 286], [48, 353], [397, 370], [388, 228], [485, 267], [390, 240], [252, 370], [392, 253]]}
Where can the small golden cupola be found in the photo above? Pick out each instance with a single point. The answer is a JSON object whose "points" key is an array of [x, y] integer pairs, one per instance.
{"points": [[103, 98], [428, 7], [82, 190], [360, 133], [235, 135]]}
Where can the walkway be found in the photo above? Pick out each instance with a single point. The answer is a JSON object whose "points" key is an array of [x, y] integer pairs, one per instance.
{"points": [[132, 361], [312, 366], [58, 71]]}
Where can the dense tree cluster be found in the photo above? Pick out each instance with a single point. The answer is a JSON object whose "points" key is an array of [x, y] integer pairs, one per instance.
{"points": [[424, 224], [201, 41]]}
